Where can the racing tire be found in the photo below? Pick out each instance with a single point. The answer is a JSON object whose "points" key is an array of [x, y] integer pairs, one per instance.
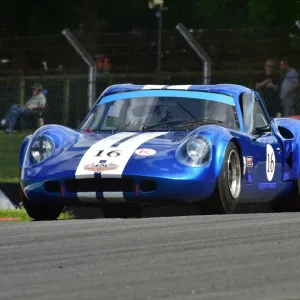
{"points": [[228, 187], [122, 210], [41, 212]]}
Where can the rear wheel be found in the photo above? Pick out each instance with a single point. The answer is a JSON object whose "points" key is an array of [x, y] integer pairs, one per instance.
{"points": [[122, 210], [40, 212], [228, 187]]}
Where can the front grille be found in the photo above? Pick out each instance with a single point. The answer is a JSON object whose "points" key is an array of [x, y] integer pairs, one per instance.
{"points": [[99, 185]]}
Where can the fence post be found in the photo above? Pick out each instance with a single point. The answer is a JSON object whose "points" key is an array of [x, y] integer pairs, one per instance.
{"points": [[198, 50], [89, 61]]}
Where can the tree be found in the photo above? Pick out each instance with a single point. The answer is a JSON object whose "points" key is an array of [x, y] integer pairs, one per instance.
{"points": [[34, 17]]}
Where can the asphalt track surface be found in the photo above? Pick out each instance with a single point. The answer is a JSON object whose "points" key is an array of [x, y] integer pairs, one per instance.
{"points": [[246, 256]]}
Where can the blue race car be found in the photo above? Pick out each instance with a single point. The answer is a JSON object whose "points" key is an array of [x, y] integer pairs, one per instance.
{"points": [[157, 145]]}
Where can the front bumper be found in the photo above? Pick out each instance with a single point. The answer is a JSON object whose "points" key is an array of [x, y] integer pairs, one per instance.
{"points": [[142, 189]]}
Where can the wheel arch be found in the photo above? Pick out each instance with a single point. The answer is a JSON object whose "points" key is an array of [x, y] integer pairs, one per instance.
{"points": [[239, 148], [220, 137]]}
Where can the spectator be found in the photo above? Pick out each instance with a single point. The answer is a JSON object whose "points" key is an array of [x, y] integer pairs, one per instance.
{"points": [[288, 87], [267, 85], [33, 105], [99, 62], [106, 64]]}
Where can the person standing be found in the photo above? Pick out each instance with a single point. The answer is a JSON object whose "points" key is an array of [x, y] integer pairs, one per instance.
{"points": [[288, 90], [33, 105], [267, 85]]}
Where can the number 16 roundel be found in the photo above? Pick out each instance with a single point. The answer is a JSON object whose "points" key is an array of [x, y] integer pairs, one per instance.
{"points": [[270, 162]]}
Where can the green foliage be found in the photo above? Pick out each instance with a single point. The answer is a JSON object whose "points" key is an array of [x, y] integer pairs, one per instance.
{"points": [[273, 13], [31, 17], [9, 156]]}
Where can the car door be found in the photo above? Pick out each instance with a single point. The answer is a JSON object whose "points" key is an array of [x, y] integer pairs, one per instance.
{"points": [[267, 160], [268, 169]]}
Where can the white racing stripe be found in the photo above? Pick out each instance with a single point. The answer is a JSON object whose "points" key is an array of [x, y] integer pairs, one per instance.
{"points": [[89, 197], [90, 156], [152, 87], [179, 87], [110, 197], [126, 150], [114, 197]]}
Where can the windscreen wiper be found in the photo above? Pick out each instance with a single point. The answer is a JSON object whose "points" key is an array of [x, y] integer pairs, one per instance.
{"points": [[145, 128], [198, 122]]}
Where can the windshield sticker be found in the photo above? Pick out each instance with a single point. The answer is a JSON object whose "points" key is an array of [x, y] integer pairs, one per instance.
{"points": [[226, 99]]}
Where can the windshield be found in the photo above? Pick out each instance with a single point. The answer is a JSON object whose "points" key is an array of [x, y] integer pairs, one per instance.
{"points": [[167, 110]]}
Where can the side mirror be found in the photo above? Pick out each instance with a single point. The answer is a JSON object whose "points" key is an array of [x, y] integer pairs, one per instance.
{"points": [[263, 129]]}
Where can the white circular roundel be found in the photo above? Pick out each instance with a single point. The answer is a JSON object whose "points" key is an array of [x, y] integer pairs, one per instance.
{"points": [[270, 162], [145, 152]]}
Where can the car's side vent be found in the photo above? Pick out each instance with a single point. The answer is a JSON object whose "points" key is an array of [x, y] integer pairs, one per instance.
{"points": [[287, 134], [147, 186], [52, 187]]}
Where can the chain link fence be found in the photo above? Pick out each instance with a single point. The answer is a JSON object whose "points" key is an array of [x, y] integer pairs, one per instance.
{"points": [[237, 57], [66, 93]]}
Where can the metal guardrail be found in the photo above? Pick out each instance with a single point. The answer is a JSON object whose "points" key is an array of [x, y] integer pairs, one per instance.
{"points": [[89, 61]]}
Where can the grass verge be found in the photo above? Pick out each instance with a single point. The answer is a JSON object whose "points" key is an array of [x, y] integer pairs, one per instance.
{"points": [[9, 155], [21, 215]]}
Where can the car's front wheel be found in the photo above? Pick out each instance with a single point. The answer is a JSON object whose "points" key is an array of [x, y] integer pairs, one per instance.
{"points": [[40, 212], [228, 187]]}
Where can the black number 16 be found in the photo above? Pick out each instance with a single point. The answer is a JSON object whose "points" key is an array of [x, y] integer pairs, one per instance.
{"points": [[270, 163], [113, 153]]}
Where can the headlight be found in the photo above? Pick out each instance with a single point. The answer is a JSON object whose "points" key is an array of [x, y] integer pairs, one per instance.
{"points": [[41, 148], [194, 152]]}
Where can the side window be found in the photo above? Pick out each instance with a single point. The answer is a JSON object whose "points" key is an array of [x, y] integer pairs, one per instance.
{"points": [[247, 107], [253, 113], [260, 119]]}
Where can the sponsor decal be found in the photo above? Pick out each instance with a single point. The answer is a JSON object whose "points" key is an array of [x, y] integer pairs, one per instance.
{"points": [[270, 162], [249, 161], [103, 165], [145, 152]]}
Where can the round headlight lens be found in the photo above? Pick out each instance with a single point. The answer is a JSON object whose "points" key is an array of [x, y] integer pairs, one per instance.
{"points": [[41, 149], [194, 152], [198, 151], [196, 148]]}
